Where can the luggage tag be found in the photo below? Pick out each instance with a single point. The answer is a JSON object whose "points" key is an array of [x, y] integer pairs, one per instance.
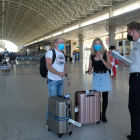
{"points": [[76, 109], [75, 123]]}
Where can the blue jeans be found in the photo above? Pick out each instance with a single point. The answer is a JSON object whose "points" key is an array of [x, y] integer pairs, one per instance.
{"points": [[55, 89]]}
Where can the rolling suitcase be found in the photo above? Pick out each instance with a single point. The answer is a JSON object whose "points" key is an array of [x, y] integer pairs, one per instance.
{"points": [[59, 112], [87, 106]]}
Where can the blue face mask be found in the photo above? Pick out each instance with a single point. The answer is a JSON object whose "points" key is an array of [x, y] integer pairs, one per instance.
{"points": [[97, 47], [61, 47]]}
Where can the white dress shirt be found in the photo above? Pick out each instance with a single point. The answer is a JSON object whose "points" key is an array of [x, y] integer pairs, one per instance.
{"points": [[135, 57]]}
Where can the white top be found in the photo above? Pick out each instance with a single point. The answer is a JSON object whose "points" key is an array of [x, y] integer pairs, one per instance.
{"points": [[135, 57], [58, 64]]}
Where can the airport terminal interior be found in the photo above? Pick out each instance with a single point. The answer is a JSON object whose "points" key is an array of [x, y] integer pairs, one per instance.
{"points": [[28, 29]]}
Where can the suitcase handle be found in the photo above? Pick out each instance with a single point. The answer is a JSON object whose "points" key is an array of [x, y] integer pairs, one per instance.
{"points": [[69, 114], [87, 91], [64, 84]]}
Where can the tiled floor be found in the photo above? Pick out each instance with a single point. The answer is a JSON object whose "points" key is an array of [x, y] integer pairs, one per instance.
{"points": [[23, 103]]}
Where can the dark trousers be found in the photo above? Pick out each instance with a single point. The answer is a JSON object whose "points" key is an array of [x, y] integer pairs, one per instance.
{"points": [[104, 102], [134, 105]]}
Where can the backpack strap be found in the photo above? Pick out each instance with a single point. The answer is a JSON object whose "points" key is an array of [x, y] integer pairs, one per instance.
{"points": [[54, 55], [63, 53]]}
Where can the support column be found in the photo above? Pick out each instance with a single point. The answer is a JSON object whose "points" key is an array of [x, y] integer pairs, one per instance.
{"points": [[131, 45], [110, 12], [81, 46], [117, 45], [52, 44], [124, 47], [25, 52], [80, 24], [112, 35]]}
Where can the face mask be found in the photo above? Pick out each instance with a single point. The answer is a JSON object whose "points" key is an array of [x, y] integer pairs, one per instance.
{"points": [[61, 47], [130, 38], [97, 47]]}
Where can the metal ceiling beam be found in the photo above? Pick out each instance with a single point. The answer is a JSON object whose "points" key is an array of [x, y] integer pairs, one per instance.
{"points": [[27, 20]]}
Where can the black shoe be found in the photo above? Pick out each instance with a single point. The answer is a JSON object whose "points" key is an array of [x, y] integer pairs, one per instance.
{"points": [[129, 137], [47, 123], [104, 118]]}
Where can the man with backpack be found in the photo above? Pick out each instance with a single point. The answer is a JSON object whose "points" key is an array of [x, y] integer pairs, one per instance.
{"points": [[55, 63]]}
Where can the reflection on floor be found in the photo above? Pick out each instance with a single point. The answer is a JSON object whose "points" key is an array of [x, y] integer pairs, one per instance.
{"points": [[23, 103]]}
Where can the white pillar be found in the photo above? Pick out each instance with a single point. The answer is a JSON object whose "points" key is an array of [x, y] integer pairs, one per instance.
{"points": [[110, 12], [117, 45], [52, 44], [124, 47], [81, 46], [112, 36], [80, 24], [131, 44]]}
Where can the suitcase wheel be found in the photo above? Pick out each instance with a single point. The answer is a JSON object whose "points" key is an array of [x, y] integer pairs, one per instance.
{"points": [[59, 135], [49, 129], [98, 122], [70, 132]]}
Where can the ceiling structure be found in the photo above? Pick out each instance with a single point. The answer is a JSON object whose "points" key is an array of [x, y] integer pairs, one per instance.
{"points": [[23, 21], [99, 29]]}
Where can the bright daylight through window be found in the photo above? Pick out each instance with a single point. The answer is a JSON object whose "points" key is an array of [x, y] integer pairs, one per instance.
{"points": [[11, 47]]}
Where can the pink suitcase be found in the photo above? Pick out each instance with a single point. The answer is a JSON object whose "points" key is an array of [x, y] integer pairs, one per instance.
{"points": [[87, 106]]}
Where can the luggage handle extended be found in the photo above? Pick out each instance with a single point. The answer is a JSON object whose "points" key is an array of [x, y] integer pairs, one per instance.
{"points": [[87, 91], [66, 84]]}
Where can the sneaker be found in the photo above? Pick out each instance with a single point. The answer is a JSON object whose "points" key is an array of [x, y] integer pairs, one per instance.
{"points": [[47, 123]]}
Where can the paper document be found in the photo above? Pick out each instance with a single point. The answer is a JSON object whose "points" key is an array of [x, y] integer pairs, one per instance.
{"points": [[75, 123], [120, 57]]}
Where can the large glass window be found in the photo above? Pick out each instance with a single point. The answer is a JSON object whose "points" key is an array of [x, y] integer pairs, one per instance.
{"points": [[118, 36], [125, 35]]}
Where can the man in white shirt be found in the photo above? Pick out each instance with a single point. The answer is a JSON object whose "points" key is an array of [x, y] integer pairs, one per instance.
{"points": [[57, 70], [133, 34]]}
